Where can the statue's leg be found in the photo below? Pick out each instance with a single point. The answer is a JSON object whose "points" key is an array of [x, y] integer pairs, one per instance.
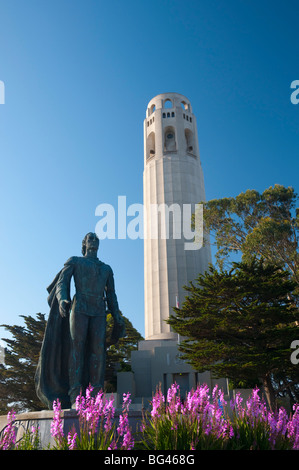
{"points": [[78, 330], [97, 359]]}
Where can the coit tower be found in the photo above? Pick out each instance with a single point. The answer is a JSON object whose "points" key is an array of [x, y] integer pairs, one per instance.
{"points": [[173, 185]]}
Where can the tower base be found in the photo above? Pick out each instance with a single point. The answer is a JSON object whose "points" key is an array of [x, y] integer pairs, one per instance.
{"points": [[158, 363]]}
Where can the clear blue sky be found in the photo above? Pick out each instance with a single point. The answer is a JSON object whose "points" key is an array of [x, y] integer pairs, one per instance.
{"points": [[78, 77]]}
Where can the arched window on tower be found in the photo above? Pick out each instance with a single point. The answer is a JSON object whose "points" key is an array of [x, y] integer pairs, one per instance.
{"points": [[150, 145], [169, 139], [167, 104], [189, 141], [152, 108]]}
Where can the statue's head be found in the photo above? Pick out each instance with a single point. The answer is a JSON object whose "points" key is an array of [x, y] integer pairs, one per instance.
{"points": [[90, 241]]}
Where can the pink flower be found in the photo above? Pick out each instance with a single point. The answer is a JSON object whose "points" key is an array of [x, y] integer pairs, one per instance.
{"points": [[71, 440], [9, 436], [123, 428], [293, 427], [57, 423], [157, 404]]}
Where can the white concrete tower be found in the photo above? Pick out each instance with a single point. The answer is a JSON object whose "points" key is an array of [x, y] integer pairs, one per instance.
{"points": [[172, 175]]}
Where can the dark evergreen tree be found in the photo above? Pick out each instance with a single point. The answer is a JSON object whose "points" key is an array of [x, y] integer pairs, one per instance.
{"points": [[119, 354], [17, 388], [240, 324]]}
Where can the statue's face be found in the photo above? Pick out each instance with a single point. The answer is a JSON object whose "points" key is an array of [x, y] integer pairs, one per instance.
{"points": [[92, 242]]}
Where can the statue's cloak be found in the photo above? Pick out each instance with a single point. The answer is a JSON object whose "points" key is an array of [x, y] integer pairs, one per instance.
{"points": [[52, 373]]}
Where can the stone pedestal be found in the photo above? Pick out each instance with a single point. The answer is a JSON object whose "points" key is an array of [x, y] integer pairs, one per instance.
{"points": [[43, 419]]}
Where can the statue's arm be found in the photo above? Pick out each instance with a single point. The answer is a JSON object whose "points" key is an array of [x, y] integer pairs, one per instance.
{"points": [[63, 287]]}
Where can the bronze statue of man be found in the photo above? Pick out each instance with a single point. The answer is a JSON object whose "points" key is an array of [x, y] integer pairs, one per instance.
{"points": [[73, 353]]}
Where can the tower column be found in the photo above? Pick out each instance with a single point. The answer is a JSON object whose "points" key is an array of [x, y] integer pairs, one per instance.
{"points": [[172, 182]]}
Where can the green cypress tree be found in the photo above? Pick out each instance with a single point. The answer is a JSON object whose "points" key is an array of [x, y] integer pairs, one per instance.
{"points": [[119, 354], [17, 388], [21, 356], [240, 324]]}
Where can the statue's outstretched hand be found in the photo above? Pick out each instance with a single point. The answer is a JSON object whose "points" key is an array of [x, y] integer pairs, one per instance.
{"points": [[64, 307]]}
